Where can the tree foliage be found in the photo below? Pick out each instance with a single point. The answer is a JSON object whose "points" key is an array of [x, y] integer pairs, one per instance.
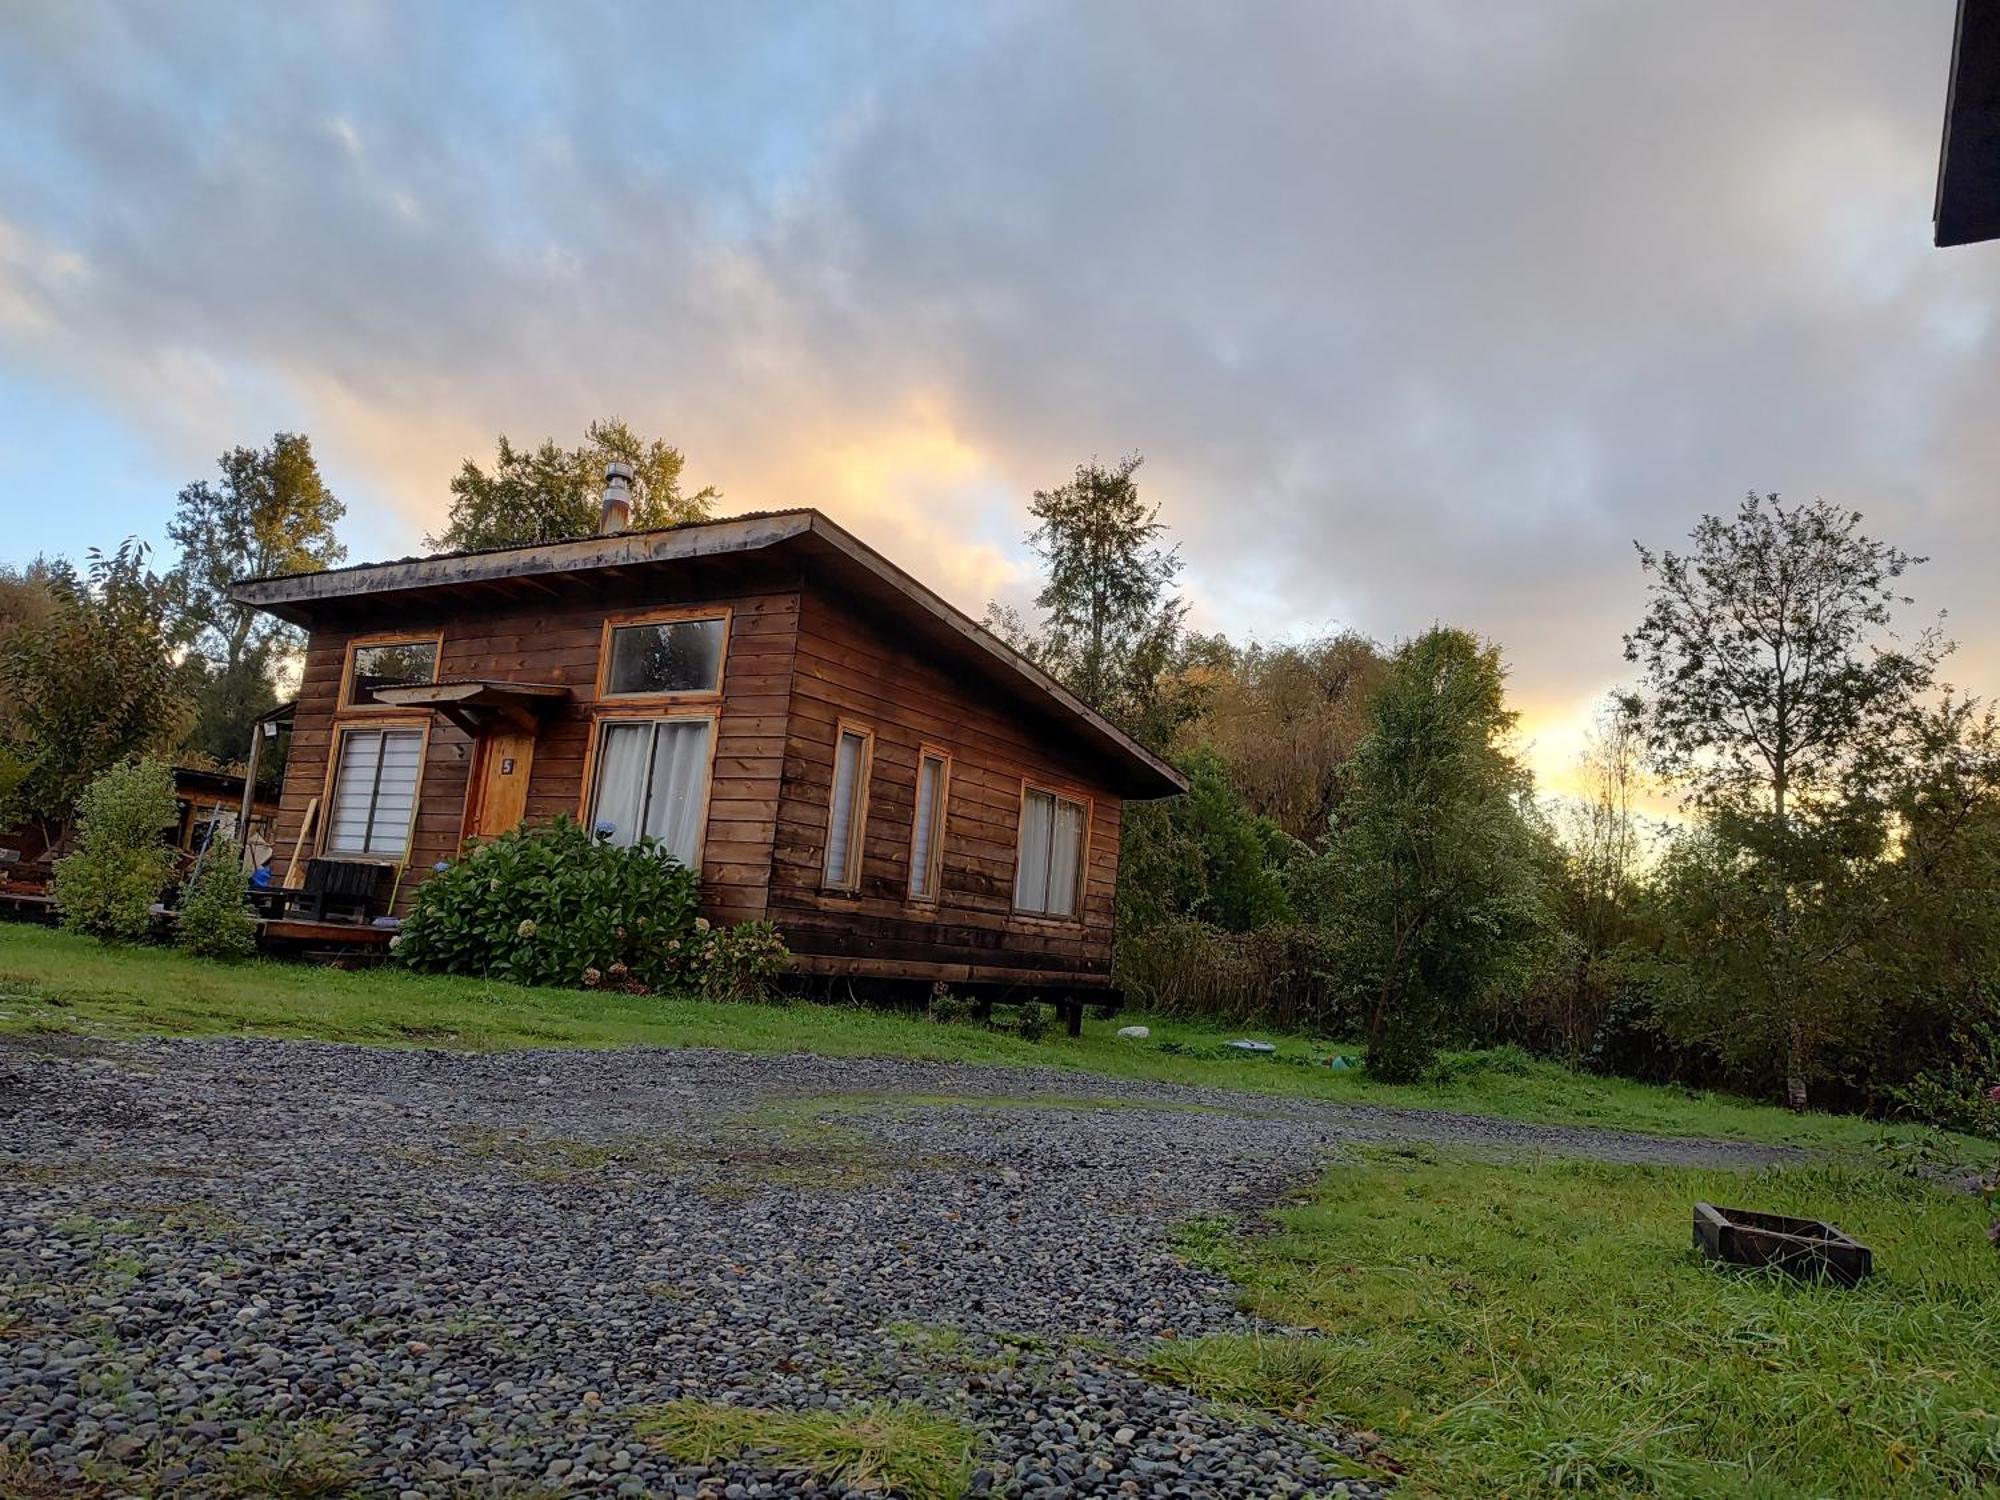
{"points": [[1593, 885], [1111, 626], [1772, 676], [90, 683], [551, 493], [1429, 880], [1286, 719], [1203, 857], [271, 512], [1777, 696]]}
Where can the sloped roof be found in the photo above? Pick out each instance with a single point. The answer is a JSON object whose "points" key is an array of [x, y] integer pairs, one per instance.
{"points": [[823, 548]]}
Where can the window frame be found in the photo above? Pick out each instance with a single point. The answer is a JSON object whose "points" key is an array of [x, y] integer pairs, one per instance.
{"points": [[374, 724], [1062, 793], [936, 861], [347, 703], [857, 838], [628, 618], [646, 713]]}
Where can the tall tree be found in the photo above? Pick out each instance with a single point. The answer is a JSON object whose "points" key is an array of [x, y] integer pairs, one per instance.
{"points": [[550, 493], [1430, 882], [271, 513], [1111, 621], [91, 683], [1774, 685]]}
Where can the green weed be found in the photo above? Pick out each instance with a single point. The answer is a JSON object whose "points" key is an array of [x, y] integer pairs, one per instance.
{"points": [[895, 1446]]}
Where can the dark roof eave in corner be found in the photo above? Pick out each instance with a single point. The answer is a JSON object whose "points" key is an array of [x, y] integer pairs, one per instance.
{"points": [[1967, 207], [298, 597]]}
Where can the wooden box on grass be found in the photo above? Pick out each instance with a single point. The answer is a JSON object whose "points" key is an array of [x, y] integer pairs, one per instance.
{"points": [[1804, 1248]]}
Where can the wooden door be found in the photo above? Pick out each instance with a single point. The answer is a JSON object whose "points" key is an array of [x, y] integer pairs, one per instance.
{"points": [[497, 795]]}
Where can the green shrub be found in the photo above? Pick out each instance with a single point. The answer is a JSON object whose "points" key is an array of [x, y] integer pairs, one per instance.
{"points": [[736, 963], [1958, 1092], [1273, 977], [547, 905], [215, 919], [108, 886], [948, 1009], [1034, 1020]]}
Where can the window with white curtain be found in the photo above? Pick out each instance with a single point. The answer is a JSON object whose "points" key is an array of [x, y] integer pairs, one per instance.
{"points": [[1048, 872], [652, 782], [927, 826], [375, 792], [848, 813]]}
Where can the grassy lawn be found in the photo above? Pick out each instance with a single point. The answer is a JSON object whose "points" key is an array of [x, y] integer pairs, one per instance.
{"points": [[1526, 1329], [50, 981]]}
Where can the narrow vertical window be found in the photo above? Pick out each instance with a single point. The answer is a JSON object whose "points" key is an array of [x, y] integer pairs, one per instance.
{"points": [[1048, 870], [927, 826], [847, 812]]}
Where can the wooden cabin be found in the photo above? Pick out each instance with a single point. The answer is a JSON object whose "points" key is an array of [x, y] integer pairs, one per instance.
{"points": [[835, 748]]}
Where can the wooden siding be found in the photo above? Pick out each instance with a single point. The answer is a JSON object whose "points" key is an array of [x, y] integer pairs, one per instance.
{"points": [[559, 643], [853, 668]]}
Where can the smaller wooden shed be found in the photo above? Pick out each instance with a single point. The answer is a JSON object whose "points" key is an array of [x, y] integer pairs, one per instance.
{"points": [[830, 744]]}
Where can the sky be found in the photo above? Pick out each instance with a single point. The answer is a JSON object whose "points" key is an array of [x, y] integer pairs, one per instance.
{"points": [[1419, 311]]}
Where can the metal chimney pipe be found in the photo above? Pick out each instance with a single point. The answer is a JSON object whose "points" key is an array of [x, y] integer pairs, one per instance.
{"points": [[617, 499]]}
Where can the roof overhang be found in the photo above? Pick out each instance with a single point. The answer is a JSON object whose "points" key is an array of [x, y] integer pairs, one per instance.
{"points": [[1968, 189], [822, 548]]}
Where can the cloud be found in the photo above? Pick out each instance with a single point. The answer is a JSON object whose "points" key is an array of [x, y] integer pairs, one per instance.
{"points": [[1418, 312]]}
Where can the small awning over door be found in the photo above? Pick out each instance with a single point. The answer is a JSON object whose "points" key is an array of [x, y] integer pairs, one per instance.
{"points": [[478, 703]]}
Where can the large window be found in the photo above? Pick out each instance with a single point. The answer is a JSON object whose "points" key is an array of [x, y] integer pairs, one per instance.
{"points": [[381, 664], [665, 656], [847, 811], [374, 795], [1048, 874], [927, 824], [652, 782]]}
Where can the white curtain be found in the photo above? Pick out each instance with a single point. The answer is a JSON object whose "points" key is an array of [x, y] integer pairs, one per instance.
{"points": [[846, 797], [679, 796], [1065, 858], [930, 782], [652, 780], [1031, 868], [1050, 863], [621, 781]]}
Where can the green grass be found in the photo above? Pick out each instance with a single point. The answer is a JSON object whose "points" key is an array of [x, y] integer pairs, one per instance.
{"points": [[1541, 1327], [54, 982], [895, 1446]]}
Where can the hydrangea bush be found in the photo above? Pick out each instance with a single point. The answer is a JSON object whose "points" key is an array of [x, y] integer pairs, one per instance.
{"points": [[557, 905]]}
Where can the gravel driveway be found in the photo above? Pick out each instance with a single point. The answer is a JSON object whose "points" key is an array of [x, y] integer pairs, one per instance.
{"points": [[470, 1274]]}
